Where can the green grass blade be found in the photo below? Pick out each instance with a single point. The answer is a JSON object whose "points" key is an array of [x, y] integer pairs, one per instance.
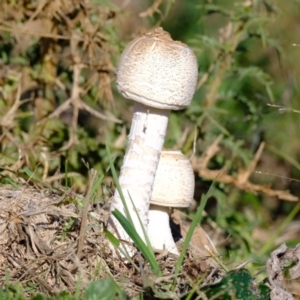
{"points": [[116, 243], [115, 177], [269, 244], [113, 240], [285, 156], [143, 228], [66, 173], [130, 230], [34, 177], [96, 184], [196, 220]]}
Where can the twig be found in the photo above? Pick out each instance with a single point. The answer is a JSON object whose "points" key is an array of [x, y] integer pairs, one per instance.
{"points": [[231, 34], [182, 139], [244, 175], [93, 176], [241, 180], [62, 176], [64, 106], [8, 119], [151, 10], [42, 34], [74, 101]]}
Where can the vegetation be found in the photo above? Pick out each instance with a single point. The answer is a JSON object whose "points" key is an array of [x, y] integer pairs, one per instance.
{"points": [[63, 130]]}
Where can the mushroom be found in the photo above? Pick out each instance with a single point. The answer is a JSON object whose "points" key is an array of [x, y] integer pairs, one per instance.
{"points": [[173, 187], [159, 74]]}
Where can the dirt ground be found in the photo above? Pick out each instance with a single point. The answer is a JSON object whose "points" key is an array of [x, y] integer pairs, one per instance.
{"points": [[55, 239]]}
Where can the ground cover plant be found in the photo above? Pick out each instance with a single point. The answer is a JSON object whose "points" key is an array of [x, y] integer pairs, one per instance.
{"points": [[63, 132]]}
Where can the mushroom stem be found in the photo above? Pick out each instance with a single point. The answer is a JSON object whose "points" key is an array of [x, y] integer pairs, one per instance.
{"points": [[159, 230], [136, 179]]}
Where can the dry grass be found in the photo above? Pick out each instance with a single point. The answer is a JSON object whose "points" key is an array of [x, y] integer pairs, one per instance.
{"points": [[40, 241]]}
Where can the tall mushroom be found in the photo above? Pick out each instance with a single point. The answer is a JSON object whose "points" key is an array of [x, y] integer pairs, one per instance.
{"points": [[173, 187], [159, 74]]}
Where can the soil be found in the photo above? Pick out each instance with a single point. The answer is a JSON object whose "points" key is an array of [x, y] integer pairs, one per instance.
{"points": [[42, 242]]}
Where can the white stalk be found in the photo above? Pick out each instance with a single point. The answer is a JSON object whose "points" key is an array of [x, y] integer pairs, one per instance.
{"points": [[159, 230], [136, 179]]}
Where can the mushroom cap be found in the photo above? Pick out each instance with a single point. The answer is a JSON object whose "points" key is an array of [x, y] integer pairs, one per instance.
{"points": [[174, 182], [157, 71]]}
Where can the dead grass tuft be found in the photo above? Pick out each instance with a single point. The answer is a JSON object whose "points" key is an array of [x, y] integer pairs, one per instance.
{"points": [[40, 240]]}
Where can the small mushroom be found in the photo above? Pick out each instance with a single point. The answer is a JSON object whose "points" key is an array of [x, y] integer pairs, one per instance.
{"points": [[159, 74], [173, 187]]}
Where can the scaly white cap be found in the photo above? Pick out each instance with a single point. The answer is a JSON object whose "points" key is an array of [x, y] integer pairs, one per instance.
{"points": [[174, 180], [157, 71]]}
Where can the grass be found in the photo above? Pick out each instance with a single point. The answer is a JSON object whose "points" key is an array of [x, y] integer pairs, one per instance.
{"points": [[159, 286], [196, 222]]}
